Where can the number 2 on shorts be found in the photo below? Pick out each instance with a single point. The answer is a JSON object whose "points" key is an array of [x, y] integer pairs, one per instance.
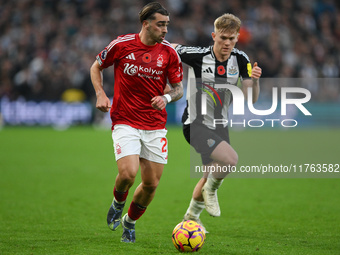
{"points": [[164, 145]]}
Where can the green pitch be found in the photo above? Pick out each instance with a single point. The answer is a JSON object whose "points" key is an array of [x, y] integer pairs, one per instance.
{"points": [[56, 188]]}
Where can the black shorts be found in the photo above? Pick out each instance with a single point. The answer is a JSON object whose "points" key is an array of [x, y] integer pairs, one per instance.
{"points": [[204, 139]]}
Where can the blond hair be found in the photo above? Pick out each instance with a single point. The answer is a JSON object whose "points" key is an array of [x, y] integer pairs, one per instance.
{"points": [[227, 23]]}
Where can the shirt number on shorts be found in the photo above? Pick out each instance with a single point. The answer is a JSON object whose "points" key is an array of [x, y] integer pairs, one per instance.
{"points": [[164, 145]]}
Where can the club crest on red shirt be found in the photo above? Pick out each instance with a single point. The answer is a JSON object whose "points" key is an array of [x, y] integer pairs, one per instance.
{"points": [[160, 61]]}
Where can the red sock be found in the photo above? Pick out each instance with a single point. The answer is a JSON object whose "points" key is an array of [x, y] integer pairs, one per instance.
{"points": [[135, 211], [120, 196]]}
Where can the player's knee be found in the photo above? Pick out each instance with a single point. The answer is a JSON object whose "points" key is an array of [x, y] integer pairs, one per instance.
{"points": [[231, 160], [150, 187], [127, 177]]}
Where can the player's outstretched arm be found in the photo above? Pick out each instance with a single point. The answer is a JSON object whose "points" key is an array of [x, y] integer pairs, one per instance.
{"points": [[253, 83], [103, 102], [174, 94]]}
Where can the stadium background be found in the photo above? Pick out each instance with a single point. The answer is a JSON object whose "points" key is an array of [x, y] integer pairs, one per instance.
{"points": [[55, 186], [47, 47]]}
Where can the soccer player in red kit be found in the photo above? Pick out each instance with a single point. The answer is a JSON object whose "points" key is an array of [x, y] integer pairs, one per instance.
{"points": [[142, 64]]}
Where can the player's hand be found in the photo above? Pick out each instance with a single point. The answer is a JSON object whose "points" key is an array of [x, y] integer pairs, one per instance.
{"points": [[256, 72], [103, 103], [159, 102]]}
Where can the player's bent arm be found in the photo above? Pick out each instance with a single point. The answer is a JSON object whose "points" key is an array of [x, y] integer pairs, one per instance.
{"points": [[103, 102], [167, 89], [176, 92], [255, 85], [96, 73], [160, 102]]}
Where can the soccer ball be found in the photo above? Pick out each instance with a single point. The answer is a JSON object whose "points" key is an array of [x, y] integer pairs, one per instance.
{"points": [[188, 236]]}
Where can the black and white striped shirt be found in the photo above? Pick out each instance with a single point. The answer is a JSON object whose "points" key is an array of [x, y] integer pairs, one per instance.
{"points": [[205, 71]]}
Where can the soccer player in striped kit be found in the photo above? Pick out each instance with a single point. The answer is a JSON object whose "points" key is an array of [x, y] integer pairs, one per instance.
{"points": [[142, 63], [208, 66]]}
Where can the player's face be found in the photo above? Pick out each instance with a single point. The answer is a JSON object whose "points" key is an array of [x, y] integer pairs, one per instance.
{"points": [[224, 42], [158, 27]]}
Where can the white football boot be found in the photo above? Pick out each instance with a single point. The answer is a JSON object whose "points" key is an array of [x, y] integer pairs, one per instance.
{"points": [[211, 201], [188, 216]]}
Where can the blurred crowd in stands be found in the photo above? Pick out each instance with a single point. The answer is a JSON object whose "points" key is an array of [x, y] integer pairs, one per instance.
{"points": [[48, 46]]}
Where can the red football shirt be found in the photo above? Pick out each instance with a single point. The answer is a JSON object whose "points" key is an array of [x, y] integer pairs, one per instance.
{"points": [[141, 73]]}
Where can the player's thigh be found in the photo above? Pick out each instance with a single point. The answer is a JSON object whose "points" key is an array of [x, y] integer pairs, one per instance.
{"points": [[126, 141], [128, 167], [224, 154], [154, 146], [151, 172], [205, 140]]}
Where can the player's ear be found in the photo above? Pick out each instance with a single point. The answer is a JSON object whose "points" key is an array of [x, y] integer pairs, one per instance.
{"points": [[145, 23], [213, 35]]}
